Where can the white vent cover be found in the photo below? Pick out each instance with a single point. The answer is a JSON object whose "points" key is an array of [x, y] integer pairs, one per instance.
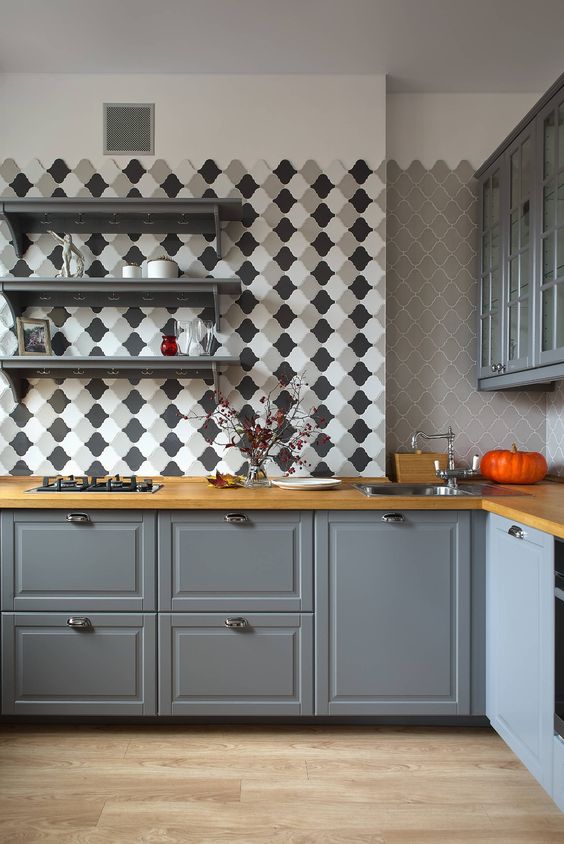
{"points": [[129, 128]]}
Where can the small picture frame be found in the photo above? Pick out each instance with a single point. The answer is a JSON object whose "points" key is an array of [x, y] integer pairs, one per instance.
{"points": [[34, 336]]}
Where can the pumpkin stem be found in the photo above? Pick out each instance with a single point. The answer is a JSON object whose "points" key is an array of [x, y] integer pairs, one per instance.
{"points": [[514, 448]]}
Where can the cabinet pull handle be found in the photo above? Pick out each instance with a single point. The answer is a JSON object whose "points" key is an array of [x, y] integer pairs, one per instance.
{"points": [[78, 518], [517, 532], [393, 517], [235, 518], [236, 623], [79, 622]]}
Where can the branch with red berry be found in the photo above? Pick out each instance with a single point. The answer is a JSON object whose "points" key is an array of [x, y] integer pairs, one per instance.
{"points": [[280, 426]]}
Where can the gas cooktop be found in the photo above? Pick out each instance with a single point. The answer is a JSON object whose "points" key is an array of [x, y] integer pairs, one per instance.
{"points": [[84, 483]]}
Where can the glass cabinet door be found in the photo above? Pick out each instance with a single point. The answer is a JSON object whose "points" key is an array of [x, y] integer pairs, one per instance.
{"points": [[550, 261], [491, 311], [518, 258]]}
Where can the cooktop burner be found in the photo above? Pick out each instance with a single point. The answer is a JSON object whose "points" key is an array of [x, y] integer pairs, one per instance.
{"points": [[83, 483]]}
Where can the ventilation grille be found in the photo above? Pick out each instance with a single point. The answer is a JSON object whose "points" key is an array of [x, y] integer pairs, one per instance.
{"points": [[129, 128]]}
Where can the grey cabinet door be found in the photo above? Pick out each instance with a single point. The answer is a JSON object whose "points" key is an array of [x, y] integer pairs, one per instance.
{"points": [[208, 562], [549, 274], [520, 642], [491, 299], [104, 563], [264, 668], [393, 613], [49, 668]]}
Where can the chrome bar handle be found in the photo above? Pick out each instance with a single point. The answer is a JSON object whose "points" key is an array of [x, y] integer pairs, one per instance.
{"points": [[517, 532], [235, 518], [79, 622], [391, 518], [78, 518], [236, 623]]}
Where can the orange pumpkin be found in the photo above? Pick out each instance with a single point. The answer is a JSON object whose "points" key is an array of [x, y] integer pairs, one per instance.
{"points": [[513, 467]]}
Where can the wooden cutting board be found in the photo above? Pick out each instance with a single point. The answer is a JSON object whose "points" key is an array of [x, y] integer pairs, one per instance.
{"points": [[417, 467]]}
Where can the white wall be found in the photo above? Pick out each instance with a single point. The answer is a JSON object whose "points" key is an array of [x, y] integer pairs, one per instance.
{"points": [[451, 127], [198, 117]]}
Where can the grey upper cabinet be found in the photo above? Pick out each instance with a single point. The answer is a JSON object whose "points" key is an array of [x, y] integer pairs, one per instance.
{"points": [[393, 613], [236, 561], [507, 261], [520, 642], [87, 560], [521, 342]]}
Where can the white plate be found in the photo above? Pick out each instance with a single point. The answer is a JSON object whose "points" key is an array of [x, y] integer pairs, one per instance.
{"points": [[306, 483]]}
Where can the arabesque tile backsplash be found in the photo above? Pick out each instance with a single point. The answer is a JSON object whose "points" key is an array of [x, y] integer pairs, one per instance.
{"points": [[311, 256]]}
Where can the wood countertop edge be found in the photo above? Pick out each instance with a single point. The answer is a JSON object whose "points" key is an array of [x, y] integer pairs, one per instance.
{"points": [[541, 506]]}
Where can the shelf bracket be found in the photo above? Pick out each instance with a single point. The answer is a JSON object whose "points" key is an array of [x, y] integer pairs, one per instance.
{"points": [[217, 222], [16, 233]]}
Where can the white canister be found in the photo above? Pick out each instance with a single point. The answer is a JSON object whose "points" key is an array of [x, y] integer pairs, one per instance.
{"points": [[131, 271], [162, 268]]}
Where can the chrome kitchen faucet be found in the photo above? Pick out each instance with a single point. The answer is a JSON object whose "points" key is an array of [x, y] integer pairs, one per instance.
{"points": [[451, 474]]}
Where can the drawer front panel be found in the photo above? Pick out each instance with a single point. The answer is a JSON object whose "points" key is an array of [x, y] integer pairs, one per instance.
{"points": [[99, 564], [263, 563], [51, 668], [263, 668]]}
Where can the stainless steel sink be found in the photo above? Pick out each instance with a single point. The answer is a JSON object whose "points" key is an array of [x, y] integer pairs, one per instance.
{"points": [[474, 490], [419, 490]]}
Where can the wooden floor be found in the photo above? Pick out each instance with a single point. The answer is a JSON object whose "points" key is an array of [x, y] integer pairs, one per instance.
{"points": [[324, 785]]}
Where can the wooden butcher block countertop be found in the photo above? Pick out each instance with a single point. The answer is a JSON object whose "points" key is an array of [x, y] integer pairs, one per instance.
{"points": [[541, 506]]}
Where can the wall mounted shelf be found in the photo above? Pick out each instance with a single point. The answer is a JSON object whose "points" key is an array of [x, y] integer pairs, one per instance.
{"points": [[134, 215], [22, 293], [19, 368]]}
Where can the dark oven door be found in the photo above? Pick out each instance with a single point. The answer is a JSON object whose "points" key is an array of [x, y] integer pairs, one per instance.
{"points": [[559, 637]]}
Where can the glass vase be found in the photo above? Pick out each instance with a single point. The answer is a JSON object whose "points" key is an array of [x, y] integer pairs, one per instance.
{"points": [[257, 475]]}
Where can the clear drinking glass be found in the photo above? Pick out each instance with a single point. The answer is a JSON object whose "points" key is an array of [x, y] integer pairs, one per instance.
{"points": [[208, 336]]}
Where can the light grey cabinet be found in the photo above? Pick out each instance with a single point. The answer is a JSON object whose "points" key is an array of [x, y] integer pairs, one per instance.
{"points": [[87, 560], [236, 561], [100, 664], [260, 665], [393, 613], [520, 642]]}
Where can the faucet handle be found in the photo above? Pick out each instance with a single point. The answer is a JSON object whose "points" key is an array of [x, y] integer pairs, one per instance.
{"points": [[437, 465], [475, 463]]}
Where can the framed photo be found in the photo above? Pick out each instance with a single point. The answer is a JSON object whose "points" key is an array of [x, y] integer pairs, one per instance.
{"points": [[34, 336]]}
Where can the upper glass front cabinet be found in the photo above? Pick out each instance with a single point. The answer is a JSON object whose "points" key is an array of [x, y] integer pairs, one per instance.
{"points": [[551, 251]]}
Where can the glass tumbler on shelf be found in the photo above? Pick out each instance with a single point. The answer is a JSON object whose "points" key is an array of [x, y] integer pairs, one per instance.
{"points": [[208, 336]]}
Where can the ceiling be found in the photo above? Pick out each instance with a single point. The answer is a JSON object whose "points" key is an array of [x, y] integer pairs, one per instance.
{"points": [[423, 45]]}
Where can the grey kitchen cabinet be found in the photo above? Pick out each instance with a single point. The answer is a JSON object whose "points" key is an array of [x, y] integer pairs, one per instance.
{"points": [[87, 560], [258, 560], [393, 613], [61, 664], [256, 664], [558, 771], [522, 343], [507, 214], [520, 642]]}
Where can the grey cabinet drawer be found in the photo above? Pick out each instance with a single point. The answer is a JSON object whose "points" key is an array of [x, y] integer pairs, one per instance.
{"points": [[209, 669], [104, 563], [263, 563], [49, 668], [393, 614]]}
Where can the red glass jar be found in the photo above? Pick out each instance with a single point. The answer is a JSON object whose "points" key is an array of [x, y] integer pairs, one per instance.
{"points": [[169, 346]]}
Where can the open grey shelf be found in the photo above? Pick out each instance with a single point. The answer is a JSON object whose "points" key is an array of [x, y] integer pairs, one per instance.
{"points": [[134, 215], [22, 293], [19, 368]]}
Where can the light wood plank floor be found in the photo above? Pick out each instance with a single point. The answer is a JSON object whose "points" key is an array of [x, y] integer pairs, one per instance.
{"points": [[253, 785]]}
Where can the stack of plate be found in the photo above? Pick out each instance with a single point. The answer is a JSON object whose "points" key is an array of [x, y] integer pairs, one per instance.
{"points": [[306, 483]]}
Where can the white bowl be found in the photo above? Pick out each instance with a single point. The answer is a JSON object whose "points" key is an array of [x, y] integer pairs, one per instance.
{"points": [[162, 269]]}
